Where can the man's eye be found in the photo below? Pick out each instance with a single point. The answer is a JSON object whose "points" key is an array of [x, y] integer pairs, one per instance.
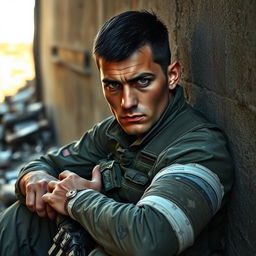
{"points": [[143, 81], [112, 86]]}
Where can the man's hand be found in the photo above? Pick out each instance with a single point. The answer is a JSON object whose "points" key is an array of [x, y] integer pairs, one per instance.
{"points": [[34, 185], [56, 196]]}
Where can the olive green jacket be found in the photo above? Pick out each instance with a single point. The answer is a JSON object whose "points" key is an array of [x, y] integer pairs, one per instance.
{"points": [[113, 217]]}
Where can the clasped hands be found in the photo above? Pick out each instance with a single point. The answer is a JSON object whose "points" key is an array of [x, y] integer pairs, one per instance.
{"points": [[46, 195]]}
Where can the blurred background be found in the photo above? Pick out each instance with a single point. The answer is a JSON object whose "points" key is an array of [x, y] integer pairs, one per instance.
{"points": [[50, 92], [16, 39], [25, 132]]}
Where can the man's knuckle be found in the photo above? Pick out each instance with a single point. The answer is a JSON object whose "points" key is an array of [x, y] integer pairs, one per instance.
{"points": [[66, 172], [30, 205], [72, 175], [40, 209], [30, 187], [42, 183], [50, 200]]}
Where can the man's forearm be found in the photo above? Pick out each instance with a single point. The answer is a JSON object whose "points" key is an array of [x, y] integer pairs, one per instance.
{"points": [[121, 228]]}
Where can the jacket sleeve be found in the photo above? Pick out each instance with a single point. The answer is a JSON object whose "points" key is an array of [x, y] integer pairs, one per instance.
{"points": [[124, 229], [207, 147], [174, 209], [181, 200], [79, 156]]}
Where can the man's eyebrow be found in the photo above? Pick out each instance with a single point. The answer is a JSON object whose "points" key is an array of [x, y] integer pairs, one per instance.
{"points": [[108, 81], [133, 79]]}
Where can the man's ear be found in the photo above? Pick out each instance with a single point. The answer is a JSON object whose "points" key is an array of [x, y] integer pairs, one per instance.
{"points": [[173, 73]]}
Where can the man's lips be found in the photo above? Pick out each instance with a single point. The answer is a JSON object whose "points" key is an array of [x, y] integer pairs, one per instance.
{"points": [[132, 118]]}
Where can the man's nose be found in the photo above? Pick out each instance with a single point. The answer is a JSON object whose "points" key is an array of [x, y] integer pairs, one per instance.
{"points": [[129, 97]]}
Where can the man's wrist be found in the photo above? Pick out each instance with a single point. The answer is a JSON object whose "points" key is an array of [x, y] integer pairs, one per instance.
{"points": [[71, 196]]}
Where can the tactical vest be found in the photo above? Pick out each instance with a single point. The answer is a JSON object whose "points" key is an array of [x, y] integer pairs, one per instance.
{"points": [[127, 182]]}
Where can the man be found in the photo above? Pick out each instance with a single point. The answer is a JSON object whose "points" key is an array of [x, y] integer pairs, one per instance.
{"points": [[152, 180]]}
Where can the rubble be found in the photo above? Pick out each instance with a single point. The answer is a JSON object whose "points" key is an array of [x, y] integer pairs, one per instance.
{"points": [[25, 133]]}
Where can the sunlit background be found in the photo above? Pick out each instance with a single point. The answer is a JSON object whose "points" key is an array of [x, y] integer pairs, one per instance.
{"points": [[16, 37]]}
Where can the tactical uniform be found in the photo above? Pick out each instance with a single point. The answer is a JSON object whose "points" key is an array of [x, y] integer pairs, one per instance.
{"points": [[160, 192]]}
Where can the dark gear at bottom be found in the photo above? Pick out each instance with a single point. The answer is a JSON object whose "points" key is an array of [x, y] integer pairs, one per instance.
{"points": [[71, 240]]}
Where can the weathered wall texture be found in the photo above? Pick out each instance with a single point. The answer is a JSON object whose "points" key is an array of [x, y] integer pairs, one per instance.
{"points": [[215, 43]]}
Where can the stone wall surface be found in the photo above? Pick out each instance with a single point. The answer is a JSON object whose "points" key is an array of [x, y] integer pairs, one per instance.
{"points": [[215, 42]]}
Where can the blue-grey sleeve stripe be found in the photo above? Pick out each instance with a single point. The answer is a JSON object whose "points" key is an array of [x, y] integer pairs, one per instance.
{"points": [[200, 172], [205, 189], [175, 216]]}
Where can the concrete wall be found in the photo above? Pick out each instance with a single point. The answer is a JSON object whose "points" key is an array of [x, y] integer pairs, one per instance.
{"points": [[215, 43]]}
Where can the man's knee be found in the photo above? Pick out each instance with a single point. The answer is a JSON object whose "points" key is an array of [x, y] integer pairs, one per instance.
{"points": [[10, 213], [22, 231], [9, 229]]}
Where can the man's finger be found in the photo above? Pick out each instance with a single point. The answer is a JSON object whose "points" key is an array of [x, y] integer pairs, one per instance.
{"points": [[51, 185], [40, 204], [30, 200], [96, 179], [64, 174], [96, 175], [51, 213], [46, 197], [56, 202]]}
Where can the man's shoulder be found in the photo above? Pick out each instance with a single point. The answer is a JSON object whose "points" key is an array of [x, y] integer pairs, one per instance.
{"points": [[186, 122]]}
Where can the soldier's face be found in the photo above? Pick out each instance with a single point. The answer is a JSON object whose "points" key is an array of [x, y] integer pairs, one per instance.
{"points": [[136, 90]]}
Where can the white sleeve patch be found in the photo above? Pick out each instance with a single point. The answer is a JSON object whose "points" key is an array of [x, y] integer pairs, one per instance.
{"points": [[176, 217]]}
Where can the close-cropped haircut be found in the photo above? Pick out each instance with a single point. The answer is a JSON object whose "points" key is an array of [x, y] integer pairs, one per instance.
{"points": [[127, 32]]}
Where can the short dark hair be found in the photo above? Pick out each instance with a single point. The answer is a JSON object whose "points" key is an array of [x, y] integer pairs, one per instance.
{"points": [[127, 32]]}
